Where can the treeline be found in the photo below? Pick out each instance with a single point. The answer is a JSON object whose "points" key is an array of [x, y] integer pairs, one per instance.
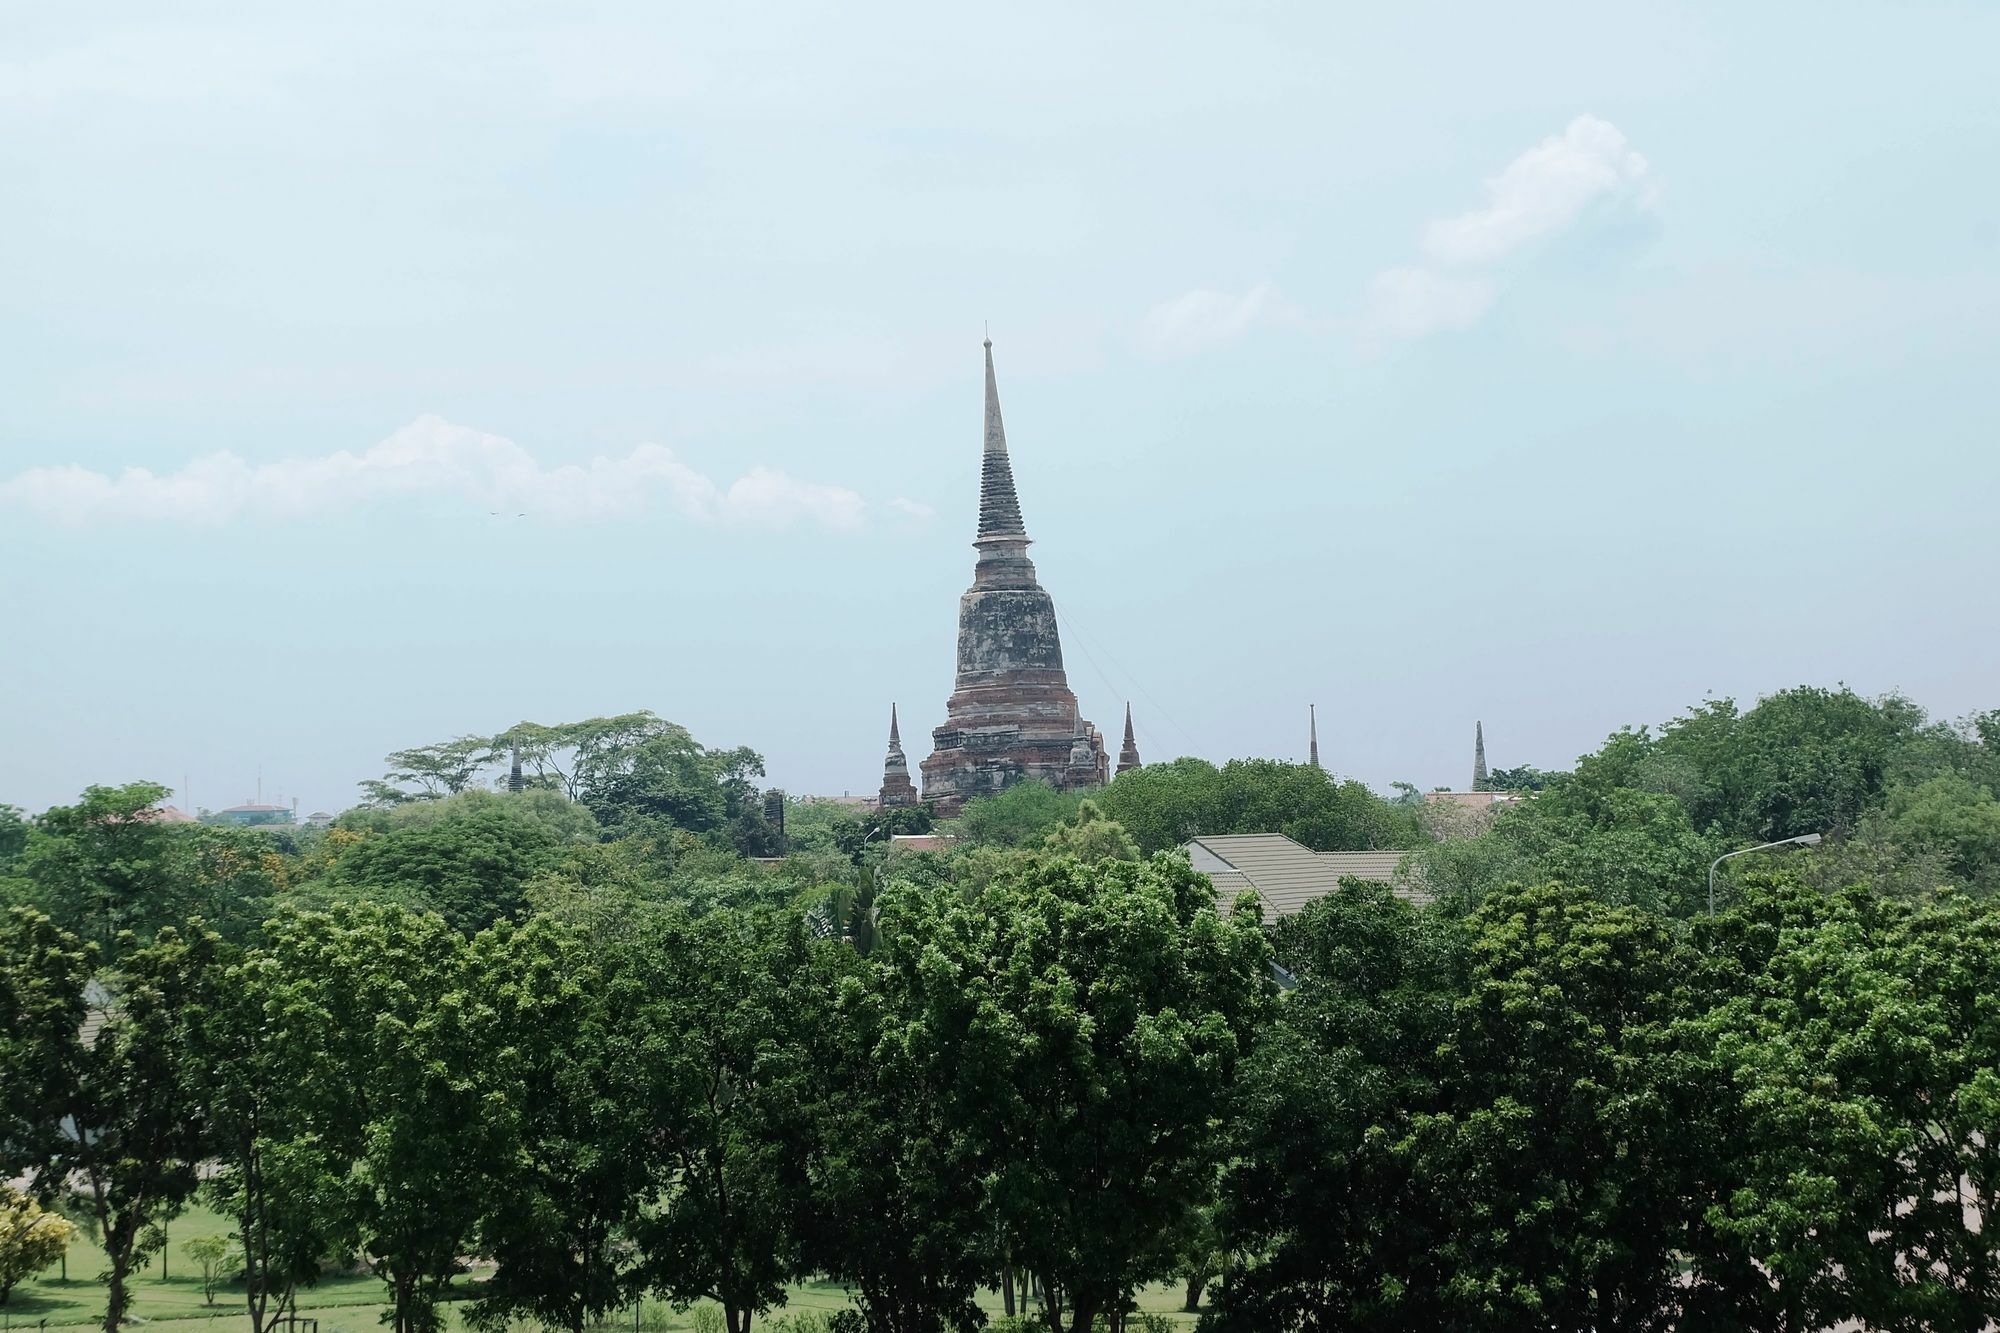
{"points": [[1904, 803], [1551, 1113], [610, 1055], [631, 1097]]}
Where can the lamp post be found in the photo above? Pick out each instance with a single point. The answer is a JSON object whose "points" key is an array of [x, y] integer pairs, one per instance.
{"points": [[1803, 840]]}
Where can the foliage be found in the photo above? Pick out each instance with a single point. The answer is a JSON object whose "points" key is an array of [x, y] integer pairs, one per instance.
{"points": [[467, 857], [1324, 1192], [1020, 816], [1090, 837], [569, 1143], [386, 999], [44, 972], [729, 997], [1115, 1003], [898, 1136], [430, 772], [132, 1136], [31, 1238], [1164, 805], [211, 1255], [249, 1069]]}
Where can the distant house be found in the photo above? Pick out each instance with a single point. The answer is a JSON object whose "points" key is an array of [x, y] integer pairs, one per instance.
{"points": [[251, 814], [921, 842], [1286, 876], [1490, 801]]}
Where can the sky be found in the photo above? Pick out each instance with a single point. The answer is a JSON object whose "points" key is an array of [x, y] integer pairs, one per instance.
{"points": [[375, 374]]}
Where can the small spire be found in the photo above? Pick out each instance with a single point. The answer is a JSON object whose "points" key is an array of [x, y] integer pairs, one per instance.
{"points": [[1128, 754], [1479, 780], [897, 789], [1312, 732]]}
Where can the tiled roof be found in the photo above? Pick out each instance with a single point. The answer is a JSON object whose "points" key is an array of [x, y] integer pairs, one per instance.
{"points": [[1285, 875]]}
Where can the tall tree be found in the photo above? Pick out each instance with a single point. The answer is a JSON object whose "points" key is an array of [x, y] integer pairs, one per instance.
{"points": [[1558, 1146], [901, 1135], [731, 996], [570, 1121], [386, 1000], [249, 1059], [1119, 1003], [44, 974], [1325, 1191], [132, 1137]]}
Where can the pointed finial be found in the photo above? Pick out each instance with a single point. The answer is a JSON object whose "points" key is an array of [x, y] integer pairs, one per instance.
{"points": [[1312, 731], [895, 736], [1479, 756]]}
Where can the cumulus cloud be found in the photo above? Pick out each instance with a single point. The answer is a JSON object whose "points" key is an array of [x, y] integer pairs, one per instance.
{"points": [[1198, 320], [1545, 191], [433, 457]]}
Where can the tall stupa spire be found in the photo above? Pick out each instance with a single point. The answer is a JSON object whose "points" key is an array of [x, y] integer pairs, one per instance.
{"points": [[1012, 715], [1479, 756], [1312, 734], [1128, 754], [999, 507]]}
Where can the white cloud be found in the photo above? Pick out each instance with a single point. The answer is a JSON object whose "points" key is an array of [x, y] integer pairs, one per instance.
{"points": [[1544, 190], [433, 457], [1411, 302], [1198, 320], [914, 510]]}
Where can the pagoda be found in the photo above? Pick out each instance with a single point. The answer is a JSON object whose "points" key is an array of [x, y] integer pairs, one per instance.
{"points": [[1011, 715]]}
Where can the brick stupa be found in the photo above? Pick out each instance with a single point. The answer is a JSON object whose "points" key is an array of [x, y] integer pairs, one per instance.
{"points": [[1012, 715]]}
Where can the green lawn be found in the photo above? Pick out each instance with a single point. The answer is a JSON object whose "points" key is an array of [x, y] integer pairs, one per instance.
{"points": [[348, 1304]]}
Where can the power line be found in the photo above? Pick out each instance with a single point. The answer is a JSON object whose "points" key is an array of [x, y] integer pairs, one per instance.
{"points": [[1084, 639]]}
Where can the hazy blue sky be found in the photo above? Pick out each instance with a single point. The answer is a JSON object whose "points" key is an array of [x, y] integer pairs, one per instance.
{"points": [[1552, 365]]}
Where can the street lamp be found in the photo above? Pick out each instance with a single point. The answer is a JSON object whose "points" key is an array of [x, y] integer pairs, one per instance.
{"points": [[1803, 840]]}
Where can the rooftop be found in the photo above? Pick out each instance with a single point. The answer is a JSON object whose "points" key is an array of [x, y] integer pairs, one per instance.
{"points": [[1286, 876]]}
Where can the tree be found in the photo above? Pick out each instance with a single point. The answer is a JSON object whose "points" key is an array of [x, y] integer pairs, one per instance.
{"points": [[897, 1122], [1845, 1082], [1325, 1191], [1559, 1148], [106, 865], [251, 1065], [211, 1256], [385, 998], [730, 998], [30, 1238], [468, 857], [1953, 817], [132, 1137], [1020, 816], [44, 973], [569, 1116], [1116, 1002], [1164, 805], [430, 772], [1092, 837]]}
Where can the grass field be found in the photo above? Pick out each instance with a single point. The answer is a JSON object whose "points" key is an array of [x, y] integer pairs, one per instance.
{"points": [[347, 1304]]}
